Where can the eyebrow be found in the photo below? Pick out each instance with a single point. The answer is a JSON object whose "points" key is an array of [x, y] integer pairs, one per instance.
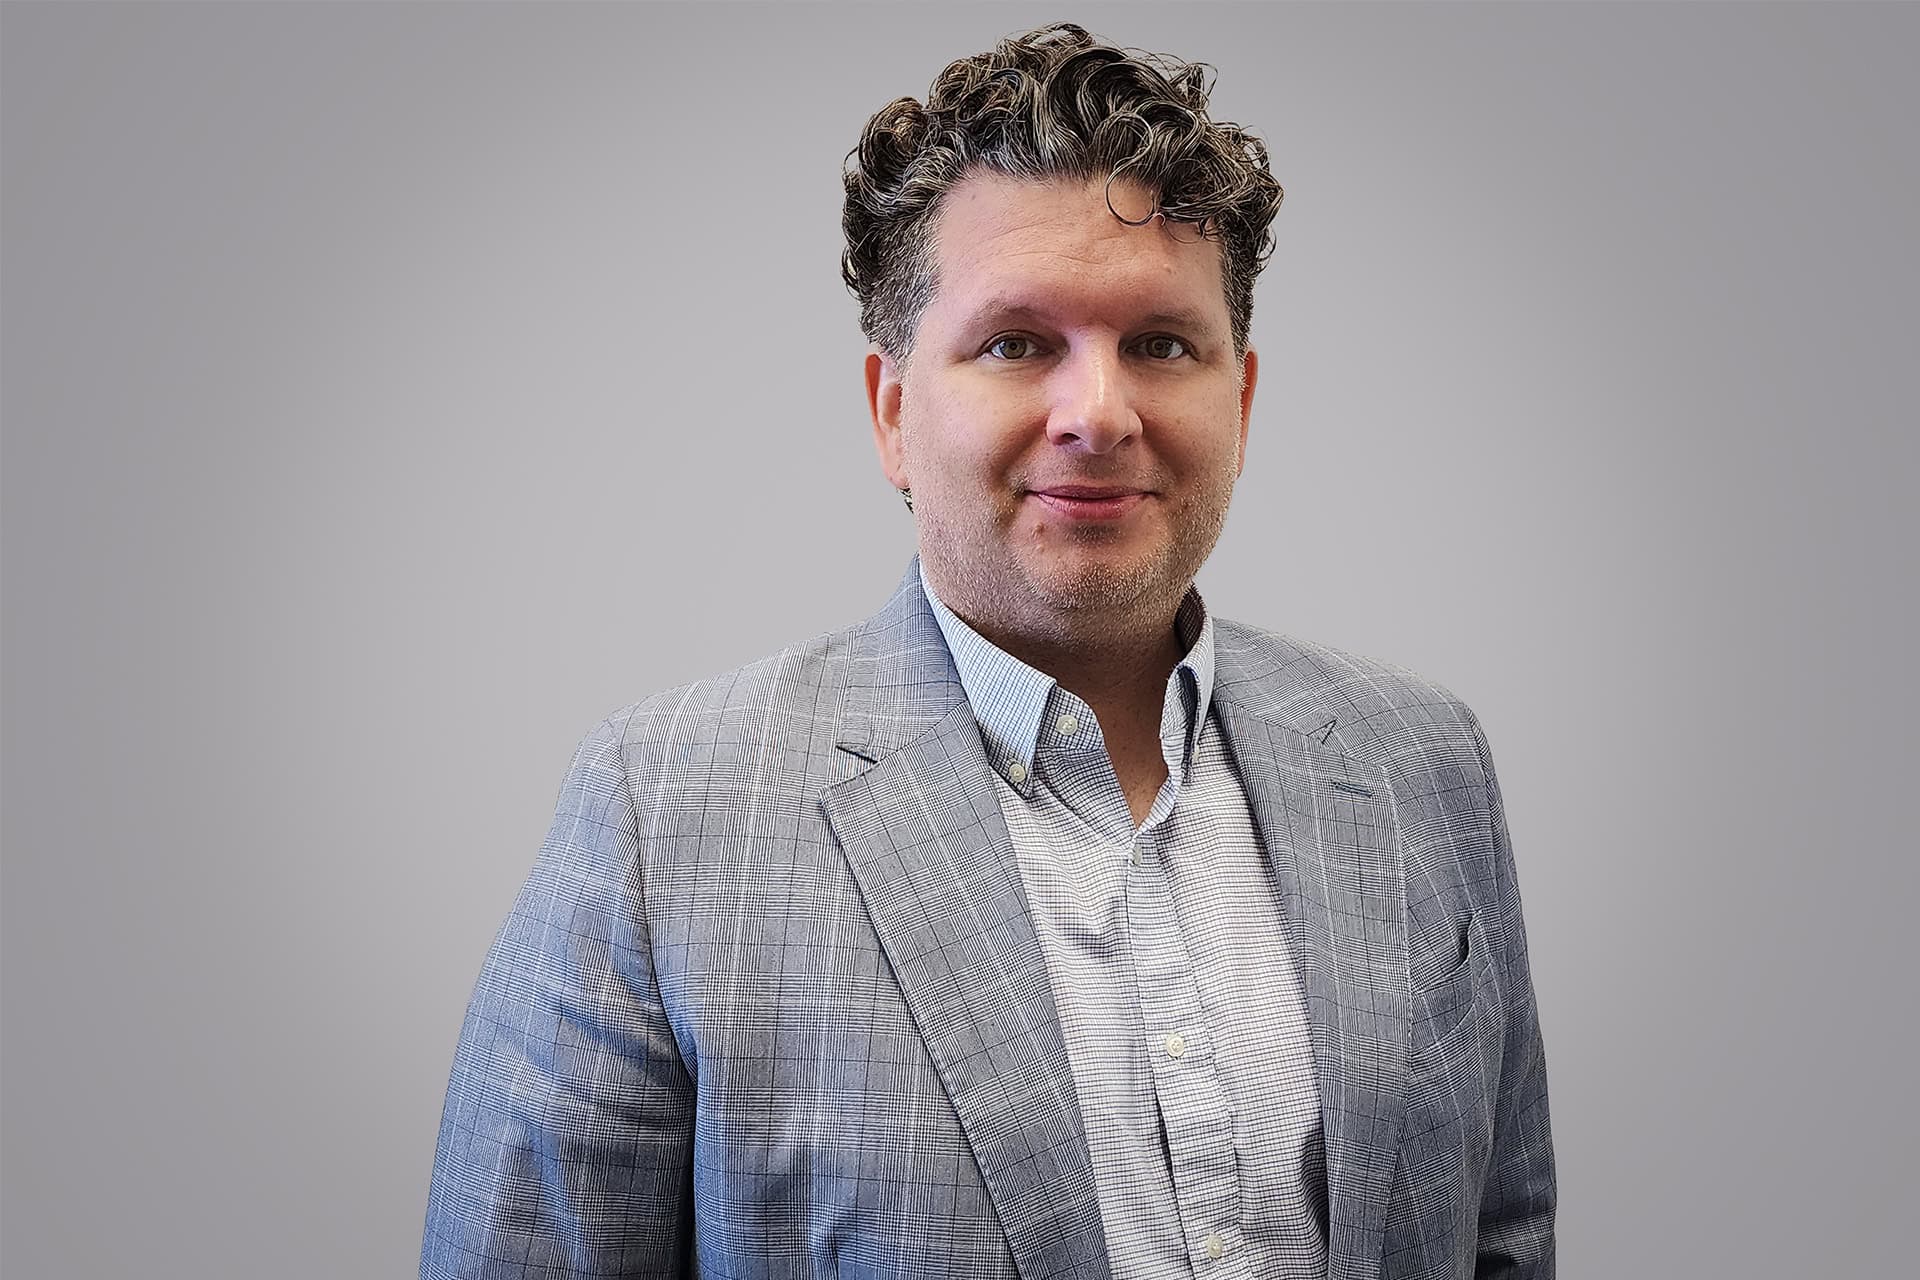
{"points": [[998, 309]]}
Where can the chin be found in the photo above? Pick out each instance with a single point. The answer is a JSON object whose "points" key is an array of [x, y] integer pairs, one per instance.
{"points": [[1102, 585]]}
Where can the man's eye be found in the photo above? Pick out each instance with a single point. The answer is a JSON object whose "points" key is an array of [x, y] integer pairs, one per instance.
{"points": [[1011, 347], [1163, 347]]}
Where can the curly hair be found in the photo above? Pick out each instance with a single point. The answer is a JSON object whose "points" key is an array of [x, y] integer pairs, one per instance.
{"points": [[1051, 103]]}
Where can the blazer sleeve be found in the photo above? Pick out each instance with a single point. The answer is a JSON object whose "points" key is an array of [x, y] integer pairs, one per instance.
{"points": [[1517, 1208], [566, 1139]]}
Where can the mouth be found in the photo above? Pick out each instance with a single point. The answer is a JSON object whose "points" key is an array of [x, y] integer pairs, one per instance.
{"points": [[1089, 501]]}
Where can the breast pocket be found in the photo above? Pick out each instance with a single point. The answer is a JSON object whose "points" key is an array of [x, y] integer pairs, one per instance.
{"points": [[1449, 1125], [1442, 1005]]}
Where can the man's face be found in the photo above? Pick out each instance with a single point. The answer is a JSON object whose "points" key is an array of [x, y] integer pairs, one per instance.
{"points": [[1073, 416]]}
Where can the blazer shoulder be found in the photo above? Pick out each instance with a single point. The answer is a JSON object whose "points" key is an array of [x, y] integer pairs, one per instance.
{"points": [[781, 709], [1363, 706]]}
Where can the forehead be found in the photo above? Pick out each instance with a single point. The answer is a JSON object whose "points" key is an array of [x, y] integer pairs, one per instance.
{"points": [[1055, 245]]}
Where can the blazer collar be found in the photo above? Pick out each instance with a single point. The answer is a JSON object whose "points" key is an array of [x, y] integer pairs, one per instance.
{"points": [[921, 827], [901, 679]]}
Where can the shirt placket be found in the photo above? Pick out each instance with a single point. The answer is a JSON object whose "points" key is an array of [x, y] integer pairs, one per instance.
{"points": [[1193, 1102]]}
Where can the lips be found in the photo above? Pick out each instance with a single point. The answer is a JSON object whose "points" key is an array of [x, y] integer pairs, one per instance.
{"points": [[1090, 492], [1089, 501]]}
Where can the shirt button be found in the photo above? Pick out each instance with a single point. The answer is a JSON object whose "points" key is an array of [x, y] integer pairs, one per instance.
{"points": [[1017, 771], [1176, 1045], [1214, 1247], [1068, 723], [1137, 856]]}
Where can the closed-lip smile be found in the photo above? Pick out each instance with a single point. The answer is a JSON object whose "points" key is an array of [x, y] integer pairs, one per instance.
{"points": [[1089, 501]]}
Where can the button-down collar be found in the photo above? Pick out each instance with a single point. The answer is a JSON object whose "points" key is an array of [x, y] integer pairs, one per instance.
{"points": [[1012, 701]]}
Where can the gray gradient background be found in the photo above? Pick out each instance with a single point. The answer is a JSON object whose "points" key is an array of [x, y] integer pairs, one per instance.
{"points": [[390, 392]]}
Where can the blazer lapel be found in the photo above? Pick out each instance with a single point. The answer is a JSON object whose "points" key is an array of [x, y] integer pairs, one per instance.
{"points": [[1329, 826], [924, 836]]}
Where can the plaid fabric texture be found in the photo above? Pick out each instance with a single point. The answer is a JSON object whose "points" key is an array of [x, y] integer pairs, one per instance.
{"points": [[1184, 1019], [773, 996]]}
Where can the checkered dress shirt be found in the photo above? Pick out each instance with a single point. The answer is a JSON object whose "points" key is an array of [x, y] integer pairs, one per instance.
{"points": [[1184, 1018]]}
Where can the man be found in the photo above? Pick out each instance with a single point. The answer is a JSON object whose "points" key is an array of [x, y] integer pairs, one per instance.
{"points": [[1041, 925]]}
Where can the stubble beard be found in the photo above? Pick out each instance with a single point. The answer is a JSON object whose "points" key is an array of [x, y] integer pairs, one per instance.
{"points": [[1097, 605]]}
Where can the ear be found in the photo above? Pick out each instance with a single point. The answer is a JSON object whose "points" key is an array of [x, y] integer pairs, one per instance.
{"points": [[1249, 375], [883, 402]]}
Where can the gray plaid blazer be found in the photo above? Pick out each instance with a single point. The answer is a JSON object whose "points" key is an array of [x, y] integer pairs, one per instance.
{"points": [[771, 1003]]}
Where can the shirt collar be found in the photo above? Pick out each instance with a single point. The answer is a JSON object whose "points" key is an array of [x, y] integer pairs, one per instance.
{"points": [[1009, 698]]}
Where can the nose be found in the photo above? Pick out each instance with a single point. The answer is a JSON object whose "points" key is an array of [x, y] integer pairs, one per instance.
{"points": [[1089, 405]]}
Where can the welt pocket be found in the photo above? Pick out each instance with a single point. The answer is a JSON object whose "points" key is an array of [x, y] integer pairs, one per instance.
{"points": [[1440, 952], [1442, 1006]]}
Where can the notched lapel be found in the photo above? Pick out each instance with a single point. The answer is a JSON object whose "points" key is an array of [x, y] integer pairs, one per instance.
{"points": [[923, 833], [1334, 842]]}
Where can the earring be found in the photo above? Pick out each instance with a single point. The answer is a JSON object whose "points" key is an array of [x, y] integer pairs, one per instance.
{"points": [[906, 495]]}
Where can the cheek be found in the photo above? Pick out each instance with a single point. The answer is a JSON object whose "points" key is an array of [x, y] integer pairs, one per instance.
{"points": [[1204, 434], [959, 447], [1198, 450]]}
